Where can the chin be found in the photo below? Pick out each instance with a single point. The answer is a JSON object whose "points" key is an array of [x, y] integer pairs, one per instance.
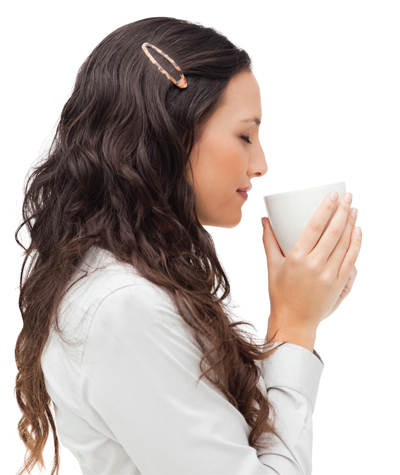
{"points": [[227, 224]]}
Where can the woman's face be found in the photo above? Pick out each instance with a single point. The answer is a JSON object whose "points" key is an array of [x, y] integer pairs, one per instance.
{"points": [[222, 160]]}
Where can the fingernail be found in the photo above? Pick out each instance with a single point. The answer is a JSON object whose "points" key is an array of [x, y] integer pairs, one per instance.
{"points": [[348, 197], [263, 223]]}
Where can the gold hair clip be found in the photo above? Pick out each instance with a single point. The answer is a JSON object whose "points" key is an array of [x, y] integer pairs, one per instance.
{"points": [[182, 83]]}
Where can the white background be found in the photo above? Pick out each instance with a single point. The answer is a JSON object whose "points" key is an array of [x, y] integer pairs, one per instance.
{"points": [[329, 74]]}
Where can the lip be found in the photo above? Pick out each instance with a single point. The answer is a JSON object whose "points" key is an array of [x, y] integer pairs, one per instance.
{"points": [[245, 189], [243, 194]]}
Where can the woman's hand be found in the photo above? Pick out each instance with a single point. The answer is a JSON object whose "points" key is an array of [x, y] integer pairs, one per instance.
{"points": [[345, 291], [307, 285]]}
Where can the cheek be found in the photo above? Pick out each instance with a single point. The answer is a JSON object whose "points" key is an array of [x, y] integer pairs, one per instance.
{"points": [[235, 167], [231, 160], [222, 165]]}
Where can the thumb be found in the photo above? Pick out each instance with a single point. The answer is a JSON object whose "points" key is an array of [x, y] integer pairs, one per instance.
{"points": [[271, 246]]}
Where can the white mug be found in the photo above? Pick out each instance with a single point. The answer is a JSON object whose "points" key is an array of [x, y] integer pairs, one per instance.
{"points": [[290, 212]]}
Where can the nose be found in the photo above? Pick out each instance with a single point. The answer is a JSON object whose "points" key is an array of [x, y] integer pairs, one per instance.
{"points": [[258, 166]]}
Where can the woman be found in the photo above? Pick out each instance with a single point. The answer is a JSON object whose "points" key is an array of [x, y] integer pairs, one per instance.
{"points": [[124, 333]]}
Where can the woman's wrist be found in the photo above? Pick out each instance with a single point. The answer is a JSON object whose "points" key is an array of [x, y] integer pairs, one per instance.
{"points": [[304, 337]]}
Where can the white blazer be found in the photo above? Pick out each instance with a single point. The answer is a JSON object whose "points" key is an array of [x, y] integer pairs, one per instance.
{"points": [[125, 395]]}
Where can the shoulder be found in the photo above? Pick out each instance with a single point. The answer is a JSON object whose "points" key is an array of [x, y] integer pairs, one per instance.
{"points": [[101, 276], [102, 287]]}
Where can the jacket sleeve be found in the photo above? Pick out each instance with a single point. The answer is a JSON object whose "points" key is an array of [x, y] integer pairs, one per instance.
{"points": [[292, 375], [139, 373]]}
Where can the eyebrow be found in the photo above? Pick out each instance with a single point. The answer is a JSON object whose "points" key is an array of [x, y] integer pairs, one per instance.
{"points": [[252, 119]]}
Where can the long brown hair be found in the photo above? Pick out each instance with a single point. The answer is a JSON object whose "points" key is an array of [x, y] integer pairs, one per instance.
{"points": [[115, 177]]}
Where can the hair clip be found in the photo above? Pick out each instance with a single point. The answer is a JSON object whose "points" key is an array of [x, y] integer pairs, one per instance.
{"points": [[181, 83]]}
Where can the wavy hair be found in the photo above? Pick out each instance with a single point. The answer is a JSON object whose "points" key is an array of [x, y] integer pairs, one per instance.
{"points": [[115, 176]]}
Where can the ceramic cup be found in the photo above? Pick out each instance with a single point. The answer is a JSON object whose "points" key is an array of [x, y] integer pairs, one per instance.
{"points": [[290, 212]]}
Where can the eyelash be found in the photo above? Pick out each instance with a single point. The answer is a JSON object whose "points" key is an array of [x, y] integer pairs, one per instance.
{"points": [[246, 139]]}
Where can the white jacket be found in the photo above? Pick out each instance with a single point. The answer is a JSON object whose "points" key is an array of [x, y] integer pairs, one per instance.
{"points": [[125, 394]]}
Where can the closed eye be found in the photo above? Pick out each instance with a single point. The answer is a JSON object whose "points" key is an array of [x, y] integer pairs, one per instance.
{"points": [[246, 138]]}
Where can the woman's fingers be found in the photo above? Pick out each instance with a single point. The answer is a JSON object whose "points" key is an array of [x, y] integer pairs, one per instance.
{"points": [[336, 258], [351, 256], [333, 232], [315, 228], [349, 284]]}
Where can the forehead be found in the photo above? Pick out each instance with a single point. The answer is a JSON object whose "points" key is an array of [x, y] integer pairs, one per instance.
{"points": [[242, 99]]}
